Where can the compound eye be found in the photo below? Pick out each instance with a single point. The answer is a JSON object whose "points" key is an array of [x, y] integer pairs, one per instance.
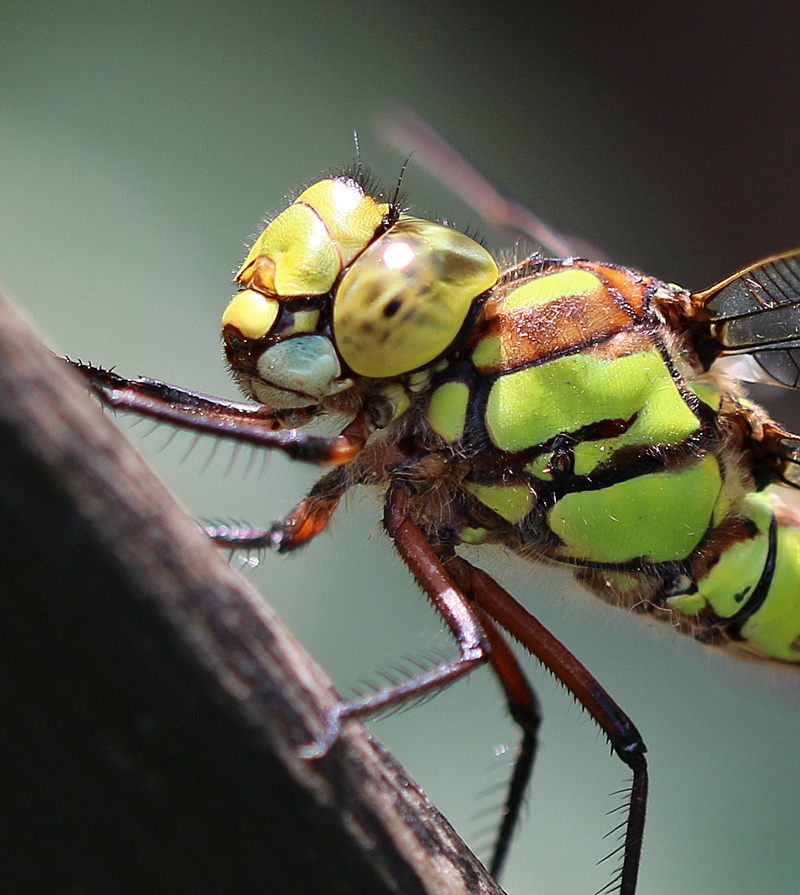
{"points": [[405, 298]]}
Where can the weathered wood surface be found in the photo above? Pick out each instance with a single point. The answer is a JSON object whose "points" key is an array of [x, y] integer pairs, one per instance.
{"points": [[151, 703]]}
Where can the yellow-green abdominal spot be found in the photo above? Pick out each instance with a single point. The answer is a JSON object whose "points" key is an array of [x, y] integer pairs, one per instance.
{"points": [[774, 629], [447, 411], [731, 581], [657, 517], [530, 406]]}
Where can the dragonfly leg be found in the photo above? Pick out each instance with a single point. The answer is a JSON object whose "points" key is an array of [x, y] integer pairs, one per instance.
{"points": [[523, 707], [479, 641], [452, 605], [625, 739], [305, 521], [252, 424]]}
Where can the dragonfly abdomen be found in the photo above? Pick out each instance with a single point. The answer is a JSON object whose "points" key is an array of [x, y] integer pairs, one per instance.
{"points": [[748, 598]]}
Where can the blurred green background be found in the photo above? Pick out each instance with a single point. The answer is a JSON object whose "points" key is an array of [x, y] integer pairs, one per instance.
{"points": [[140, 145]]}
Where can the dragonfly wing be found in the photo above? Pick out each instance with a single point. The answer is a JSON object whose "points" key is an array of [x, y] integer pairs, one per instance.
{"points": [[756, 311], [407, 132]]}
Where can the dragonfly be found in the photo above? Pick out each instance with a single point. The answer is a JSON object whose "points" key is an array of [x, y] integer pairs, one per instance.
{"points": [[578, 413]]}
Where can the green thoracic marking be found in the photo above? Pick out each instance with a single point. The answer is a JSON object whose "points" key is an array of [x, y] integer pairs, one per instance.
{"points": [[664, 419], [706, 393], [472, 535], [531, 406], [538, 465], [512, 502], [538, 292], [447, 411], [487, 354], [728, 495], [688, 604], [544, 289], [618, 523], [397, 395]]}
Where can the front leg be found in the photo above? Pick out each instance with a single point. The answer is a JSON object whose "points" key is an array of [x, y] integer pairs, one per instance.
{"points": [[252, 424], [305, 522]]}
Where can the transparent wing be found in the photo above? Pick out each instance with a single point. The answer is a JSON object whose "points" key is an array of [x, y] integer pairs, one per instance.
{"points": [[407, 132], [756, 311], [753, 318]]}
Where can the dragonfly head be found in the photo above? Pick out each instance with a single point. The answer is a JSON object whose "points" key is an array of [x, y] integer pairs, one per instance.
{"points": [[340, 288]]}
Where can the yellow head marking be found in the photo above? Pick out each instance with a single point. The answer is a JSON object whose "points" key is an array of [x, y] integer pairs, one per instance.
{"points": [[304, 249], [252, 313]]}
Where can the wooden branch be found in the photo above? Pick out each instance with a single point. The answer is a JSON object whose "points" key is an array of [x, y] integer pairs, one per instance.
{"points": [[151, 703]]}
